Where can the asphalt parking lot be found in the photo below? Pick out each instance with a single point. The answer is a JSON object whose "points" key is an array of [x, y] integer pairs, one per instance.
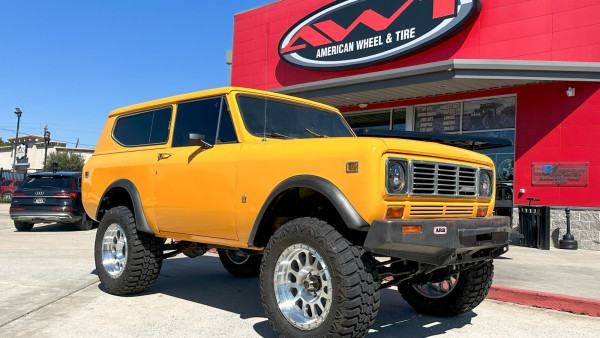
{"points": [[49, 288]]}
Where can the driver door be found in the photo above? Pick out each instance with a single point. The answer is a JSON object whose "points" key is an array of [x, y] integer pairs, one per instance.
{"points": [[195, 181]]}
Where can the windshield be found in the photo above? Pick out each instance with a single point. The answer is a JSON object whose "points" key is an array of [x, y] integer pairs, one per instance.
{"points": [[48, 182], [289, 120]]}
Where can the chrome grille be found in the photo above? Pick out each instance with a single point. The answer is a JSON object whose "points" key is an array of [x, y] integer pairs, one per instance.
{"points": [[443, 179]]}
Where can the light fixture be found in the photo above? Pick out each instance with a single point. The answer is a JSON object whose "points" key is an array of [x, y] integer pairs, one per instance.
{"points": [[363, 105], [571, 92]]}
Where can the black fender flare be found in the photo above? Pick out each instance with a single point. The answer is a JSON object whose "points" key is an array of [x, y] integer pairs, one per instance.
{"points": [[138, 211], [350, 216]]}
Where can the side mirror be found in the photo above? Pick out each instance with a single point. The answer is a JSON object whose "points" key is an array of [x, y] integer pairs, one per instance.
{"points": [[198, 140]]}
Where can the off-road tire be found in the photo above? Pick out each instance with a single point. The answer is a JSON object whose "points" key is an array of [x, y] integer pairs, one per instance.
{"points": [[84, 224], [23, 226], [353, 277], [249, 267], [471, 289], [144, 255]]}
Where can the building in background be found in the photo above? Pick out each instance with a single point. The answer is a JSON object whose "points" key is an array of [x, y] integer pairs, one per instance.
{"points": [[30, 153], [526, 70]]}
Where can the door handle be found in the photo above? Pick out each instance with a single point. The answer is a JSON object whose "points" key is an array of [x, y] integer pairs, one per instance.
{"points": [[162, 156]]}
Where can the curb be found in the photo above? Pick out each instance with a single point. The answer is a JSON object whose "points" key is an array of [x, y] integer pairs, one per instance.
{"points": [[576, 305]]}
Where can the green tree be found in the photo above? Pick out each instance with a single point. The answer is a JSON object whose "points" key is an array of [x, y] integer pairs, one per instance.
{"points": [[3, 143], [67, 161]]}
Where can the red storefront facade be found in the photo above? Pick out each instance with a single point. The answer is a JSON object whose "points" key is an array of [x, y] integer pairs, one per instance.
{"points": [[533, 51]]}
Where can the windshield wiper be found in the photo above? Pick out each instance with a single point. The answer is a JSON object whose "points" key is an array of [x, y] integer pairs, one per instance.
{"points": [[313, 133], [273, 135]]}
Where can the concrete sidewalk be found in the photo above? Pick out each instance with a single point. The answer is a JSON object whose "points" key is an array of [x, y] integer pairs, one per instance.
{"points": [[557, 279]]}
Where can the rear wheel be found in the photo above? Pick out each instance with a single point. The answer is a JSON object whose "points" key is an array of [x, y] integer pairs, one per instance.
{"points": [[240, 264], [454, 295], [314, 282], [23, 226], [127, 261]]}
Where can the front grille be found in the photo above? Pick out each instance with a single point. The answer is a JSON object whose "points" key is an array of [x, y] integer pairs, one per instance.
{"points": [[443, 179], [441, 210]]}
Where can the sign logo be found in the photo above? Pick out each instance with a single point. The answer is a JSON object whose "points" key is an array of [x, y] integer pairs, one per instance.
{"points": [[21, 151], [440, 230], [565, 174], [356, 33]]}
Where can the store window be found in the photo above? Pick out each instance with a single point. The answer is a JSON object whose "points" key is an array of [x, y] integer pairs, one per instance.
{"points": [[389, 119]]}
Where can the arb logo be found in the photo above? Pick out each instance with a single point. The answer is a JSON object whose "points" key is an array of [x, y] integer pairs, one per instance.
{"points": [[440, 230], [355, 33]]}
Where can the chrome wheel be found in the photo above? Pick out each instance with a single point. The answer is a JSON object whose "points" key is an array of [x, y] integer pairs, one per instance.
{"points": [[114, 250], [237, 257], [438, 289], [303, 286]]}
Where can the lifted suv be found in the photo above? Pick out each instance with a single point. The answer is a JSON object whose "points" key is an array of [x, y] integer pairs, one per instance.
{"points": [[283, 188]]}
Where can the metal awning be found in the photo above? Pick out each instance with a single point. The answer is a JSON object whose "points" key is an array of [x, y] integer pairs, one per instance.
{"points": [[440, 78], [466, 141]]}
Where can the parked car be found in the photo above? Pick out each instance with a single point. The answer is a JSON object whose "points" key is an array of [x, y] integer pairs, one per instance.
{"points": [[8, 187], [47, 198]]}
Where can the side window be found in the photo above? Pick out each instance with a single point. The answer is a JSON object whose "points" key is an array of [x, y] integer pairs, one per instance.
{"points": [[145, 128], [202, 117]]}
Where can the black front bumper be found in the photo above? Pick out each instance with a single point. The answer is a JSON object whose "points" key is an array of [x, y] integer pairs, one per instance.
{"points": [[441, 242]]}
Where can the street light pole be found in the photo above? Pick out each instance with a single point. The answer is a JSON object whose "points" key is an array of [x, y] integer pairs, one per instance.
{"points": [[46, 141], [18, 113]]}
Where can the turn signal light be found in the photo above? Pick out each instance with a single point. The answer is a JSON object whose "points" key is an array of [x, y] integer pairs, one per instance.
{"points": [[394, 212], [411, 228], [482, 211]]}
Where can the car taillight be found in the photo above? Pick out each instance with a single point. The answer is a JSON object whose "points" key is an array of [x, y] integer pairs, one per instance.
{"points": [[17, 209], [63, 209], [66, 194], [18, 194]]}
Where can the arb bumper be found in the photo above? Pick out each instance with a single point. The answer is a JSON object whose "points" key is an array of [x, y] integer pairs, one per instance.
{"points": [[440, 242]]}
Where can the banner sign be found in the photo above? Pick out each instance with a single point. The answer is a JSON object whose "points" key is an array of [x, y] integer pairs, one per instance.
{"points": [[560, 174], [21, 151], [357, 33]]}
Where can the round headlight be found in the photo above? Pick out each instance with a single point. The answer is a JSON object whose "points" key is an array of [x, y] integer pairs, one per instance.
{"points": [[396, 178], [485, 184]]}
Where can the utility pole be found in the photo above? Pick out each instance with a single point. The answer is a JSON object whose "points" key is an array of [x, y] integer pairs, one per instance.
{"points": [[18, 113]]}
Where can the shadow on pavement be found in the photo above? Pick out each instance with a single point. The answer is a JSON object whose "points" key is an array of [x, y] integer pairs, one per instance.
{"points": [[203, 280], [54, 227]]}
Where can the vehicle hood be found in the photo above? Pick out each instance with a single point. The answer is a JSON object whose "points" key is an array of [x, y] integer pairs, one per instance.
{"points": [[433, 149]]}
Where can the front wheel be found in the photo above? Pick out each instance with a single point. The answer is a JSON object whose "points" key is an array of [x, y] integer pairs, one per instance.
{"points": [[240, 264], [314, 282], [454, 295], [127, 261]]}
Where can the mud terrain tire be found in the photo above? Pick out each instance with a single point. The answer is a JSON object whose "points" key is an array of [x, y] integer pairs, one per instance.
{"points": [[316, 283], [471, 288], [127, 261]]}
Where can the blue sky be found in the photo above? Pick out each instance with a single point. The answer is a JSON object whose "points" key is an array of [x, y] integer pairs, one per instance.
{"points": [[68, 63]]}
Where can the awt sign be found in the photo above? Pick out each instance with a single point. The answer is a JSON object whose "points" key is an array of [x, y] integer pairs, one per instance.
{"points": [[357, 33]]}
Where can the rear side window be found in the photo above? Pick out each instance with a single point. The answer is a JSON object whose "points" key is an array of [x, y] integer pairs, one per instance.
{"points": [[48, 182], [146, 128], [6, 183]]}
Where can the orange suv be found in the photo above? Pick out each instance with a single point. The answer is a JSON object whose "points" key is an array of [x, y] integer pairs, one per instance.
{"points": [[284, 189]]}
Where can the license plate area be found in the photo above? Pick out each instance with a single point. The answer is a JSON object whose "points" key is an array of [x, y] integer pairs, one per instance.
{"points": [[39, 200]]}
